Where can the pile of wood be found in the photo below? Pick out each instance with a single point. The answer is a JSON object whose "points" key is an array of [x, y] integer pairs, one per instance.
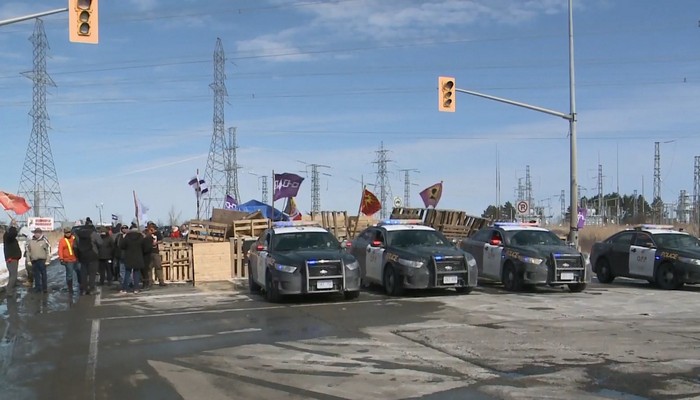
{"points": [[176, 256], [340, 224], [453, 224], [225, 224]]}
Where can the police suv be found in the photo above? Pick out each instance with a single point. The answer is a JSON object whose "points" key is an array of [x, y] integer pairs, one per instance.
{"points": [[519, 254], [664, 256], [404, 254], [301, 258]]}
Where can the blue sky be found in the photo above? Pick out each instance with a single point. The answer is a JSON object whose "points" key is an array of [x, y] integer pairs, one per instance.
{"points": [[326, 82]]}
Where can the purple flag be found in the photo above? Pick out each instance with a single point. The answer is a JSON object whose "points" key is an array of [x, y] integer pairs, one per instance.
{"points": [[286, 185], [582, 213], [230, 203]]}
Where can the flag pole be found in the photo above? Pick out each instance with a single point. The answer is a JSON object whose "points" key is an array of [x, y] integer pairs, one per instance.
{"points": [[197, 192], [136, 211], [359, 210], [272, 208]]}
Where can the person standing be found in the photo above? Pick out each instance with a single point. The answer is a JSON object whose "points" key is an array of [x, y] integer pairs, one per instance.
{"points": [[12, 255], [156, 261], [135, 247], [67, 257], [87, 243], [38, 252], [106, 254], [119, 267]]}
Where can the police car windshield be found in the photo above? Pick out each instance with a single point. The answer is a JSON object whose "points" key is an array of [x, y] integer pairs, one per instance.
{"points": [[532, 238], [304, 240], [410, 238], [676, 241]]}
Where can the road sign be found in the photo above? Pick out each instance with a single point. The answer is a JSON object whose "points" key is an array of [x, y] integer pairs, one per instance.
{"points": [[397, 202], [522, 207]]}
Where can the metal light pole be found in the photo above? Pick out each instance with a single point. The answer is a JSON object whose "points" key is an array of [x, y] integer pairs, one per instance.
{"points": [[99, 209], [571, 117]]}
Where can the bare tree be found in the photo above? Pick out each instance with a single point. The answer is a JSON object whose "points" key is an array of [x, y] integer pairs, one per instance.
{"points": [[174, 216]]}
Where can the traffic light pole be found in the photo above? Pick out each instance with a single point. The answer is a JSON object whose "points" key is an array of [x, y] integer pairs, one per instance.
{"points": [[37, 15], [571, 117]]}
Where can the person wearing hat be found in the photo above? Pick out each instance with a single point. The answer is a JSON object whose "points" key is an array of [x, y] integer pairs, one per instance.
{"points": [[13, 253], [87, 244], [67, 257], [38, 251]]}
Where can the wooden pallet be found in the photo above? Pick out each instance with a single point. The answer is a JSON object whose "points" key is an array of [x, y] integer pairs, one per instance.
{"points": [[239, 255], [249, 227], [177, 262], [207, 231], [453, 224]]}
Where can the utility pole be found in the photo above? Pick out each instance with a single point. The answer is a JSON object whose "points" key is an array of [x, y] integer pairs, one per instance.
{"points": [[316, 187], [407, 186], [570, 117], [601, 203], [696, 194], [528, 189], [562, 199], [262, 184], [215, 173]]}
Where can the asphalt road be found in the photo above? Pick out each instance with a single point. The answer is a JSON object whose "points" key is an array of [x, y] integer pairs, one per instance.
{"points": [[622, 341]]}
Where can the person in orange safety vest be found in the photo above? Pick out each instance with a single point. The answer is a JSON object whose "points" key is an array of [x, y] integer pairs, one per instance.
{"points": [[66, 254]]}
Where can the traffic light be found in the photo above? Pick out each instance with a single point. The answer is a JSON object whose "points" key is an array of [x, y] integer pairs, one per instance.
{"points": [[82, 21], [446, 94]]}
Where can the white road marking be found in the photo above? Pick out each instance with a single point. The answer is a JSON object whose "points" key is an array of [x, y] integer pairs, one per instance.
{"points": [[92, 358], [98, 297], [246, 330], [247, 309], [211, 335], [174, 295]]}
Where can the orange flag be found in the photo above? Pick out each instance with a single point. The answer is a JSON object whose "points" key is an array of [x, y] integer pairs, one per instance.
{"points": [[12, 202], [370, 204]]}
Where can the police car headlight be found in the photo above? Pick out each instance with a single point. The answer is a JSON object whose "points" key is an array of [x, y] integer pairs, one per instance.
{"points": [[285, 268], [531, 260], [352, 266], [411, 263], [688, 260]]}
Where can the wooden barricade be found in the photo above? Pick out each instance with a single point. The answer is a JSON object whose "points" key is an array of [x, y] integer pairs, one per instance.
{"points": [[453, 224], [239, 255], [249, 227], [335, 221], [177, 262], [207, 231], [212, 261]]}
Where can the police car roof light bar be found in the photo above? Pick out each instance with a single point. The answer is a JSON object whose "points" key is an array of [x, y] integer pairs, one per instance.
{"points": [[654, 226], [283, 224], [401, 222], [516, 224]]}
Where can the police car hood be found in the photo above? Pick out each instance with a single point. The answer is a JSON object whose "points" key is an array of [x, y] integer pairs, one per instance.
{"points": [[545, 250], [416, 252], [690, 252], [299, 257]]}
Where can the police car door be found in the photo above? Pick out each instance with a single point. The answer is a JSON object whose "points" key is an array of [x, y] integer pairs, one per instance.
{"points": [[375, 256], [262, 257], [492, 256], [642, 255]]}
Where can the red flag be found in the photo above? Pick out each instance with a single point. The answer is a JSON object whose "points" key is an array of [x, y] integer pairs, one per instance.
{"points": [[14, 203], [431, 195], [370, 204]]}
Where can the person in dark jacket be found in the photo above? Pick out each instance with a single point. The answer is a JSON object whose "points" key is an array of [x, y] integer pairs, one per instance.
{"points": [[106, 254], [134, 250], [119, 267], [87, 243], [12, 255]]}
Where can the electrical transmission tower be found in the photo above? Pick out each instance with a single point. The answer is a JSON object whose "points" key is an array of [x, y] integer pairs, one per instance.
{"points": [[383, 179], [528, 187], [696, 192], [407, 186], [601, 205], [232, 166], [562, 200], [316, 187], [39, 182], [657, 184], [215, 174]]}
